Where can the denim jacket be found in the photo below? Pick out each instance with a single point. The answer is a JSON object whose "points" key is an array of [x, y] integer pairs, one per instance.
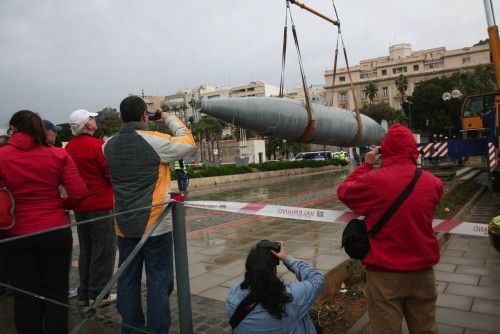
{"points": [[297, 319]]}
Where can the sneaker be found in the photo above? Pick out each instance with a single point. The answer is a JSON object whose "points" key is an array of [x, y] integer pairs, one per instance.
{"points": [[72, 293], [110, 299]]}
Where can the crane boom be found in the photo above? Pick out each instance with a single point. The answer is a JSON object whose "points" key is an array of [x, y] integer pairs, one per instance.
{"points": [[493, 39]]}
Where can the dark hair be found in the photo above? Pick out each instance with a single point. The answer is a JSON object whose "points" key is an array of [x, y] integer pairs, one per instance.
{"points": [[132, 108], [265, 286], [30, 123]]}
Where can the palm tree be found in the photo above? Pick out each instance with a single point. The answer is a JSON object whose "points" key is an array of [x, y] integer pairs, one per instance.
{"points": [[184, 107], [210, 130], [273, 144], [371, 91], [164, 107], [402, 86]]}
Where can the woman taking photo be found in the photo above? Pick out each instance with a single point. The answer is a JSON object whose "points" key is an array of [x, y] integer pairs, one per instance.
{"points": [[34, 172], [262, 303]]}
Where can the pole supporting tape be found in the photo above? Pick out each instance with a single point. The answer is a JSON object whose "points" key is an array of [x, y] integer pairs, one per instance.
{"points": [[326, 215]]}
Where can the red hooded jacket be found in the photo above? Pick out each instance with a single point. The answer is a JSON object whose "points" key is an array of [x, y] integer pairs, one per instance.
{"points": [[407, 241], [33, 173]]}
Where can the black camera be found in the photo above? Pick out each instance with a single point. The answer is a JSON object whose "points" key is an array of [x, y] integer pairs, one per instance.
{"points": [[271, 245], [154, 116]]}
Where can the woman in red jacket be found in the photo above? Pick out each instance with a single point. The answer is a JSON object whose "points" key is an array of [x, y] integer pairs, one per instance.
{"points": [[34, 172]]}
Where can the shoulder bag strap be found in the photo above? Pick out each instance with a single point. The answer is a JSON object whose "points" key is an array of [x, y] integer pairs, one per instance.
{"points": [[395, 205], [244, 308]]}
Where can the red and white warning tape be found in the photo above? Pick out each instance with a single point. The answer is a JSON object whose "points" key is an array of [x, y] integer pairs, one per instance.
{"points": [[325, 215], [492, 155]]}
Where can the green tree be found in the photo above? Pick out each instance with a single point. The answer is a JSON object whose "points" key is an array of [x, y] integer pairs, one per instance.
{"points": [[165, 107], [429, 105], [65, 134], [371, 91], [208, 130], [107, 112], [273, 145], [380, 111], [108, 126], [402, 86], [276, 147]]}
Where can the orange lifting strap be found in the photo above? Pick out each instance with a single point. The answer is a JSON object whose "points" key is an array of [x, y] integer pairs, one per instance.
{"points": [[310, 113]]}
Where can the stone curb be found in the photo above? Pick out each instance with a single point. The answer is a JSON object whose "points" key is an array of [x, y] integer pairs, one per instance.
{"points": [[203, 182], [360, 325]]}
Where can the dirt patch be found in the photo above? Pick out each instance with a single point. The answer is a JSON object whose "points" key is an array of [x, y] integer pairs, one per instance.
{"points": [[340, 312]]}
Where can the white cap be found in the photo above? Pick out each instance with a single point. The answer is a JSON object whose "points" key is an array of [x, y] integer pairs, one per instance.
{"points": [[80, 116]]}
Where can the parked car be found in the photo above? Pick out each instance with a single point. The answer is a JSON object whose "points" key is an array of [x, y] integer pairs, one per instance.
{"points": [[316, 155]]}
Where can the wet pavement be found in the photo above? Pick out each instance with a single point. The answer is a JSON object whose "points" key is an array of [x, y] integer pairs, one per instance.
{"points": [[468, 278], [219, 241]]}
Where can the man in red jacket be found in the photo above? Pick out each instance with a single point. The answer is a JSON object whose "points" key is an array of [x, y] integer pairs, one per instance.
{"points": [[97, 238], [399, 275]]}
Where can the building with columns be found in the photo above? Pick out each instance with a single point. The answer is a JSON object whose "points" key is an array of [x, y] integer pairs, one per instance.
{"points": [[415, 65]]}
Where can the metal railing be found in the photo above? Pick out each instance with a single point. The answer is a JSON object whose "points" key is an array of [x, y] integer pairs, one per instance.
{"points": [[181, 269]]}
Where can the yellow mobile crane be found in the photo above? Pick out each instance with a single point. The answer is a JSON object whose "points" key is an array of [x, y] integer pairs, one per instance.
{"points": [[480, 114]]}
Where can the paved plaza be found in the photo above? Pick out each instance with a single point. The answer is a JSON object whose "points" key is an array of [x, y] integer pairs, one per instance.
{"points": [[218, 242], [468, 277]]}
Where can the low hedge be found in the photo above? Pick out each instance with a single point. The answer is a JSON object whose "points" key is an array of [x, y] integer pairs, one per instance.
{"points": [[279, 165], [206, 171]]}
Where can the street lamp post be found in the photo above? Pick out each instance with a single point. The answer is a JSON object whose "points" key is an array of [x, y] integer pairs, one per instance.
{"points": [[455, 95], [285, 149], [409, 112]]}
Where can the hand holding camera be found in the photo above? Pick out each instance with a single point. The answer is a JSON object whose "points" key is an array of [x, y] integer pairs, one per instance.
{"points": [[283, 252], [372, 156], [276, 247], [154, 116]]}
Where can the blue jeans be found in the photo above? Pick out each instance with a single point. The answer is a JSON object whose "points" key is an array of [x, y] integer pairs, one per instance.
{"points": [[156, 255]]}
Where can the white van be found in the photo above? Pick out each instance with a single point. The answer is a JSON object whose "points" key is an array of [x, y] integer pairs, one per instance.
{"points": [[317, 155]]}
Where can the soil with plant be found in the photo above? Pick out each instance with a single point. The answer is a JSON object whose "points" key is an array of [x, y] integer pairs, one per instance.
{"points": [[341, 311]]}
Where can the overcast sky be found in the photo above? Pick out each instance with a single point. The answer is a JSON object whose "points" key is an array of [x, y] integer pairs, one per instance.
{"points": [[58, 56]]}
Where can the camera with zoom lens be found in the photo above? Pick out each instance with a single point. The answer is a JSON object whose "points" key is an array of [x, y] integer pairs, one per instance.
{"points": [[271, 245], [154, 116]]}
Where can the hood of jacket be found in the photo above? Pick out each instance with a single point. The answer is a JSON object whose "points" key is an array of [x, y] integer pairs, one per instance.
{"points": [[399, 146], [22, 141]]}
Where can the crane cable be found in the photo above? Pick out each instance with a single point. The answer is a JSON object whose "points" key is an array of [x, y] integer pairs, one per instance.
{"points": [[359, 131], [310, 113]]}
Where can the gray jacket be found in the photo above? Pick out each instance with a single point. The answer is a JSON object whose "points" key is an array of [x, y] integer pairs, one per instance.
{"points": [[138, 164]]}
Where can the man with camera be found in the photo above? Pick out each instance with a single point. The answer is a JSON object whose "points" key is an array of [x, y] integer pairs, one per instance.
{"points": [[138, 162], [400, 280], [263, 303]]}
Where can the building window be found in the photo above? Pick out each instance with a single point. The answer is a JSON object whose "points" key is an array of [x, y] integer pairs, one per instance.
{"points": [[384, 72], [364, 95], [465, 60], [434, 65], [415, 67], [385, 91], [399, 70], [368, 74], [342, 78], [343, 97]]}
